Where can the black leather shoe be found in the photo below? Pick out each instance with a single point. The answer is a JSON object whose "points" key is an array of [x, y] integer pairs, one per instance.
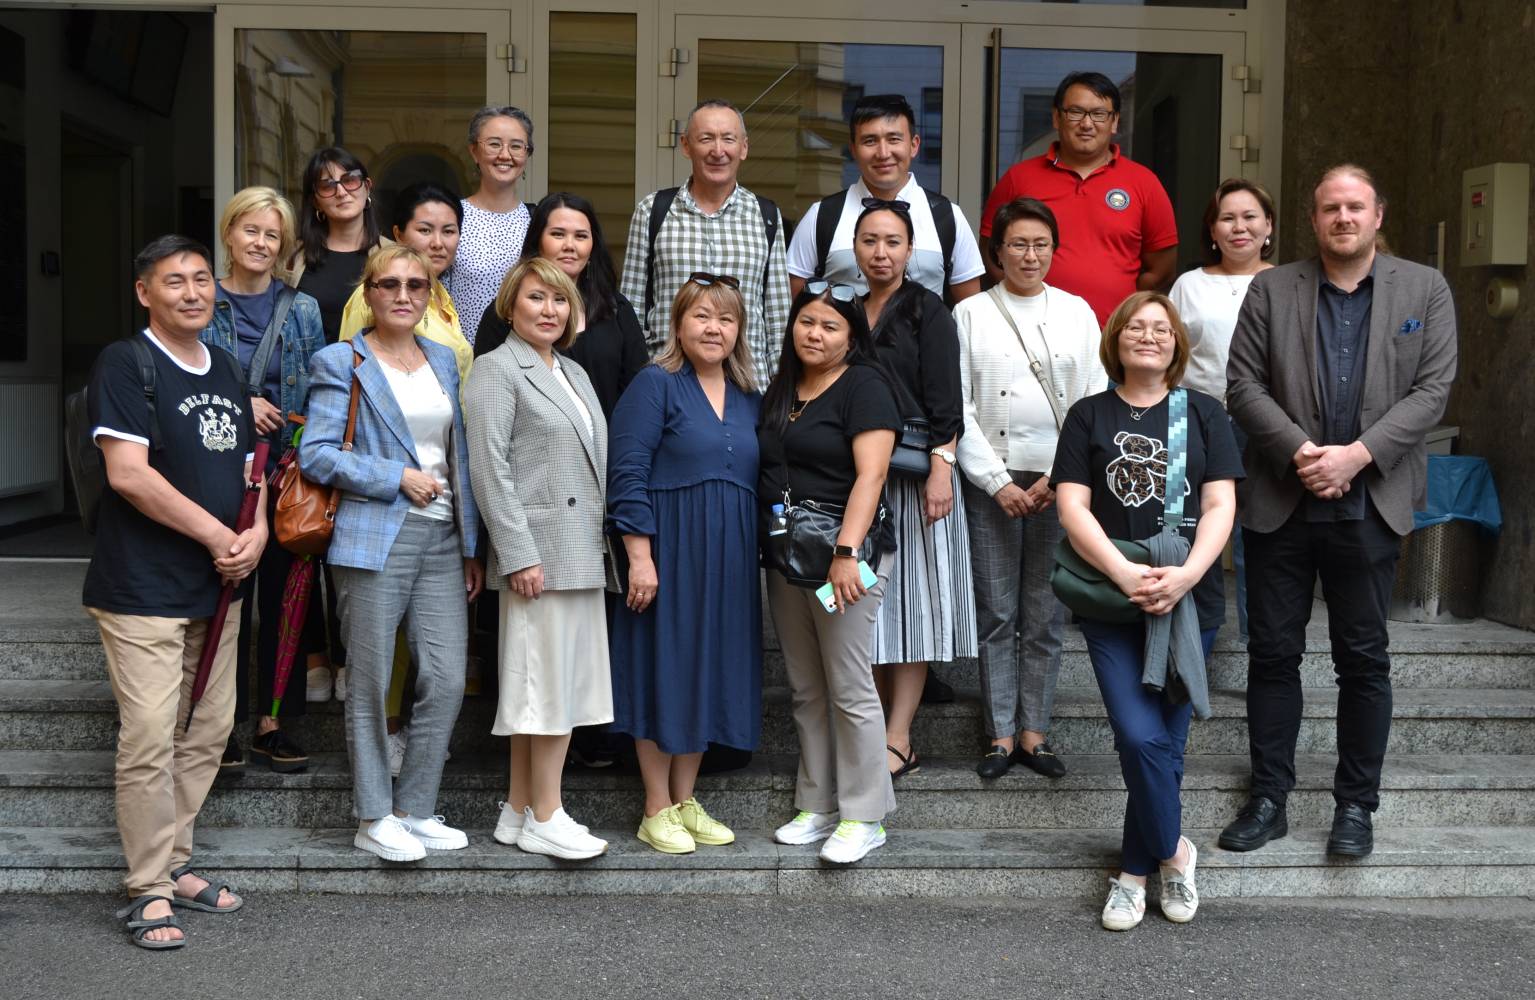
{"points": [[1353, 832], [996, 763], [1259, 822], [1042, 761]]}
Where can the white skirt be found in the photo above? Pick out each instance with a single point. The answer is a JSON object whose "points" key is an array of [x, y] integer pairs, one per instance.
{"points": [[554, 664]]}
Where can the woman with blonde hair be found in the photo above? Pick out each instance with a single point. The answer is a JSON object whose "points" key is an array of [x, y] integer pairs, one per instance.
{"points": [[538, 453], [273, 331], [682, 494]]}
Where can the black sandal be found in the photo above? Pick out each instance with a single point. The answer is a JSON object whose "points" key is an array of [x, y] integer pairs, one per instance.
{"points": [[909, 762], [206, 901], [140, 925]]}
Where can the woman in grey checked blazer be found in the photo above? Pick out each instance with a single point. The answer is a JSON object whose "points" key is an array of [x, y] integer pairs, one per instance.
{"points": [[538, 455]]}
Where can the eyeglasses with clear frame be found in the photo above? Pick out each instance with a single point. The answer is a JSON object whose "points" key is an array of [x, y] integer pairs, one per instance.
{"points": [[496, 146], [1019, 248], [1157, 333]]}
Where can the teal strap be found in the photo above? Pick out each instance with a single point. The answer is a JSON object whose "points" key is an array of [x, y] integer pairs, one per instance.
{"points": [[1177, 458]]}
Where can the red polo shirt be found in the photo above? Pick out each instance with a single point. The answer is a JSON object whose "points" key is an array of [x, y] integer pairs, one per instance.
{"points": [[1107, 221]]}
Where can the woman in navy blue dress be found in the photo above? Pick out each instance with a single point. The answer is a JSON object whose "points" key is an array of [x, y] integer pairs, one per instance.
{"points": [[686, 644]]}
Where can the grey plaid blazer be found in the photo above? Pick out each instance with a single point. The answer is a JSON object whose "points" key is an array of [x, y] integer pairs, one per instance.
{"points": [[539, 478]]}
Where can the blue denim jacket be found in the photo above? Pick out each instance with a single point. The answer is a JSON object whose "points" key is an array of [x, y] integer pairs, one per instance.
{"points": [[300, 337]]}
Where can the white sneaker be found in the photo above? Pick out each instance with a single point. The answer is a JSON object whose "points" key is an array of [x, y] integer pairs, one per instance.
{"points": [[806, 828], [1180, 898], [390, 839], [559, 837], [853, 839], [1125, 907], [317, 684], [397, 744], [508, 826], [436, 835], [341, 683]]}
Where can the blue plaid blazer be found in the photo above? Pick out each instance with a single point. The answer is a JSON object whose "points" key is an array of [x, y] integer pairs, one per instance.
{"points": [[372, 507]]}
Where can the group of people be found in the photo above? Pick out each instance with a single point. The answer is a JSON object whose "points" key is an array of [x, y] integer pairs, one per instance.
{"points": [[620, 459]]}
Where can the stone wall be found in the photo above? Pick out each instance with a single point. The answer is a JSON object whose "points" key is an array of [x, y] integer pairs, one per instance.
{"points": [[1419, 91]]}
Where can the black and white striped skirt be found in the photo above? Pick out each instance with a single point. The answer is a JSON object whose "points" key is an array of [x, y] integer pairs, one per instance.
{"points": [[928, 612]]}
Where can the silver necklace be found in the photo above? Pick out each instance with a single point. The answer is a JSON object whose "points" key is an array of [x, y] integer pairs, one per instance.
{"points": [[1138, 414]]}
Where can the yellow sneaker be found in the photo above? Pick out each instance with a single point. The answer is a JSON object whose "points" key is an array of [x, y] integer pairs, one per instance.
{"points": [[704, 828], [664, 832]]}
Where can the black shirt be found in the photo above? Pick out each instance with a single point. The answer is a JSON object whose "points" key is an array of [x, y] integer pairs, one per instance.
{"points": [[1342, 338], [331, 280], [816, 450], [139, 566], [919, 346], [1124, 462]]}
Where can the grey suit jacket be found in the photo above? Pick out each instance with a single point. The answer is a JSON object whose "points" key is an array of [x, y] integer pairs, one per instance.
{"points": [[538, 477], [1273, 393]]}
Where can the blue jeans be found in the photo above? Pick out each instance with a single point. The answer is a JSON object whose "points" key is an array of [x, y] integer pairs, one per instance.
{"points": [[1149, 736]]}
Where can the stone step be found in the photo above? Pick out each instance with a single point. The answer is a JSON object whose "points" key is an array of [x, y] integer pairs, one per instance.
{"points": [[1407, 863], [81, 715], [75, 787]]}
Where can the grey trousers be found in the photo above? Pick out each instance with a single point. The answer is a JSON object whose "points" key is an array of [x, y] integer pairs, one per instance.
{"points": [[1018, 619], [422, 585], [837, 713]]}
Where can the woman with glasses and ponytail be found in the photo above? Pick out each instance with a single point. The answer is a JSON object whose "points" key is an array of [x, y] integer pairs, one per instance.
{"points": [[828, 426], [495, 220]]}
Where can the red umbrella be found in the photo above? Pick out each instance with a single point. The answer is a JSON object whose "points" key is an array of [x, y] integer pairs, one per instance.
{"points": [[246, 518], [295, 606]]}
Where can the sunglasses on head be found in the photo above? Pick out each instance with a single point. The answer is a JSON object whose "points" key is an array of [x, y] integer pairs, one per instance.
{"points": [[349, 181], [842, 293], [894, 204], [706, 279], [415, 286]]}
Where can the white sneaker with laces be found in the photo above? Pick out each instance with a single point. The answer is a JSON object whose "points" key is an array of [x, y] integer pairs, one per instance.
{"points": [[853, 839], [1125, 907], [807, 828], [390, 839], [317, 684], [341, 683], [397, 744], [508, 826], [434, 834], [559, 837], [1180, 897]]}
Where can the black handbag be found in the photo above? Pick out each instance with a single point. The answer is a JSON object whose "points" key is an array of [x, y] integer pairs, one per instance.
{"points": [[802, 551], [913, 450]]}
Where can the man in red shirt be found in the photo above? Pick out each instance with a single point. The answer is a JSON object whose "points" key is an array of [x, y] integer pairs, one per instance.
{"points": [[1118, 234]]}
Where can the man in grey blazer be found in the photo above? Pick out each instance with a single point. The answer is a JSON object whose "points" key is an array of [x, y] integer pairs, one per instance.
{"points": [[1339, 366]]}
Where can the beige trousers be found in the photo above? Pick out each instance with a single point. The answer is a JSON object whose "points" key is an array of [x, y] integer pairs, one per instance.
{"points": [[837, 713], [163, 774]]}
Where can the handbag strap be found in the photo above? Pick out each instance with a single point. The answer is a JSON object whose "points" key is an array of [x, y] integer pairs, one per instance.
{"points": [[1034, 366], [255, 376], [1177, 458]]}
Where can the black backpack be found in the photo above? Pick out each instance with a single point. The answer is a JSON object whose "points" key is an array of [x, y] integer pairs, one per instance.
{"points": [[87, 468], [830, 214], [658, 209]]}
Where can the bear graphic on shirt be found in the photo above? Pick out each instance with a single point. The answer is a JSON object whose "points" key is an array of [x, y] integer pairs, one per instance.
{"points": [[1139, 474]]}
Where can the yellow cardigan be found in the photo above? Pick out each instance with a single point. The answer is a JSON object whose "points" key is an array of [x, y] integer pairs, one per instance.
{"points": [[439, 324]]}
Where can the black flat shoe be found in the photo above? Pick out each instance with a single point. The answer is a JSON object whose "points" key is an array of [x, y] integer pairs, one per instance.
{"points": [[1353, 831], [909, 762], [1041, 761], [281, 754], [997, 762], [233, 758], [1258, 822]]}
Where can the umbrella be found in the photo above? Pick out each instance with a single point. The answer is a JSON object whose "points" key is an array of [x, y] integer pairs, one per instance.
{"points": [[295, 607], [246, 518]]}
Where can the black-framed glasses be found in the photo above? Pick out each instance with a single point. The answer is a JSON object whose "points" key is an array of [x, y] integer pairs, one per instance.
{"points": [[706, 279], [894, 204], [414, 287], [1097, 115], [840, 292], [349, 181]]}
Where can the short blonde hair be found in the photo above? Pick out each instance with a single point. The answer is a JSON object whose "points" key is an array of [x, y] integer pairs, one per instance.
{"points": [[259, 199], [378, 262], [738, 365], [1108, 348], [550, 274]]}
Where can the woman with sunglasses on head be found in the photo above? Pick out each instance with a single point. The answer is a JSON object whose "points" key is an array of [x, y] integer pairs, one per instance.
{"points": [[1013, 411], [928, 610], [403, 547], [494, 218], [682, 495], [828, 425]]}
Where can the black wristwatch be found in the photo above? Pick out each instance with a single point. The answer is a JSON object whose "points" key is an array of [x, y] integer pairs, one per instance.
{"points": [[844, 550]]}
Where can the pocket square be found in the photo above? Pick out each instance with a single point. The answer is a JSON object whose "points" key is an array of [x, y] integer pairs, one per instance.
{"points": [[1411, 326]]}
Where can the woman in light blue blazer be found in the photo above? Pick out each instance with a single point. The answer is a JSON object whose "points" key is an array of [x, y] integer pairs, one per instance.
{"points": [[403, 546]]}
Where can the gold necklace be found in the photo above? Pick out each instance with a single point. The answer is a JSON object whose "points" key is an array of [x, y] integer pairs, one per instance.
{"points": [[798, 406], [399, 362]]}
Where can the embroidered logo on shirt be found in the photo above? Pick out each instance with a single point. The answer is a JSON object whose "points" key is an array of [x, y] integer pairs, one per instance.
{"points": [[217, 429], [1118, 199], [1139, 474]]}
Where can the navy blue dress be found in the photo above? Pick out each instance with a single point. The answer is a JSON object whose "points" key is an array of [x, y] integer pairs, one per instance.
{"points": [[687, 672]]}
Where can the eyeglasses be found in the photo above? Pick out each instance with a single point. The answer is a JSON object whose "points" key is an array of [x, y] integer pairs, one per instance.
{"points": [[842, 293], [495, 147], [1156, 333], [414, 287], [1098, 115], [894, 204], [1019, 248], [325, 187], [706, 279]]}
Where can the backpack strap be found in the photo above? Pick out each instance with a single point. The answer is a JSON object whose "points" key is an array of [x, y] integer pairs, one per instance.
{"points": [[255, 378], [827, 217], [146, 362], [943, 221], [659, 206], [770, 225]]}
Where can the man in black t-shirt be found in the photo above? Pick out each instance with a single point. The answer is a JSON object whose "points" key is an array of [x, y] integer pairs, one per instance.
{"points": [[176, 451]]}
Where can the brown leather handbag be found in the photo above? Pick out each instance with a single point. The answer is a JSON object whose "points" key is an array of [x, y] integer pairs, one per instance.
{"points": [[305, 517]]}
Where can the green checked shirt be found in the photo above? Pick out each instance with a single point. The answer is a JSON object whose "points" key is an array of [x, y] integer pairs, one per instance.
{"points": [[732, 241]]}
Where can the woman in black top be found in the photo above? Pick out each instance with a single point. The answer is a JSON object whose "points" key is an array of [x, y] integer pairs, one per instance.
{"points": [[611, 348], [1110, 478], [928, 613], [827, 428], [338, 232]]}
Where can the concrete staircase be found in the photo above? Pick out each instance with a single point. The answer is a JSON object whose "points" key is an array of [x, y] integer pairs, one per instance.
{"points": [[1457, 815]]}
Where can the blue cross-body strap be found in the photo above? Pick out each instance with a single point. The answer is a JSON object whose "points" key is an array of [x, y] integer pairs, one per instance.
{"points": [[1177, 458]]}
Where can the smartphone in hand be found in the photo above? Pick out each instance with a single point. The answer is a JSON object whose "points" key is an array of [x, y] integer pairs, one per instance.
{"points": [[828, 597]]}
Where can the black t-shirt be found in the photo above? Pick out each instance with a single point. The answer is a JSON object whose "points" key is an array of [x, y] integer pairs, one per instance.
{"points": [[331, 280], [139, 566], [818, 446], [1124, 462], [919, 345]]}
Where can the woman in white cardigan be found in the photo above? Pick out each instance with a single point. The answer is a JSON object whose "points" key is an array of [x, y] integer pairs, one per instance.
{"points": [[1027, 352]]}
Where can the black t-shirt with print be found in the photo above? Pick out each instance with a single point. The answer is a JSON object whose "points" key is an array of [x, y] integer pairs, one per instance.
{"points": [[1124, 462], [139, 566], [817, 448]]}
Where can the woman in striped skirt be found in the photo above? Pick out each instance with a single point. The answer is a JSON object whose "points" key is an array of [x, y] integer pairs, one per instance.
{"points": [[928, 614]]}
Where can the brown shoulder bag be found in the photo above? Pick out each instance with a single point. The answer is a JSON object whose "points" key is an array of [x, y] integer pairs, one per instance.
{"points": [[305, 516]]}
